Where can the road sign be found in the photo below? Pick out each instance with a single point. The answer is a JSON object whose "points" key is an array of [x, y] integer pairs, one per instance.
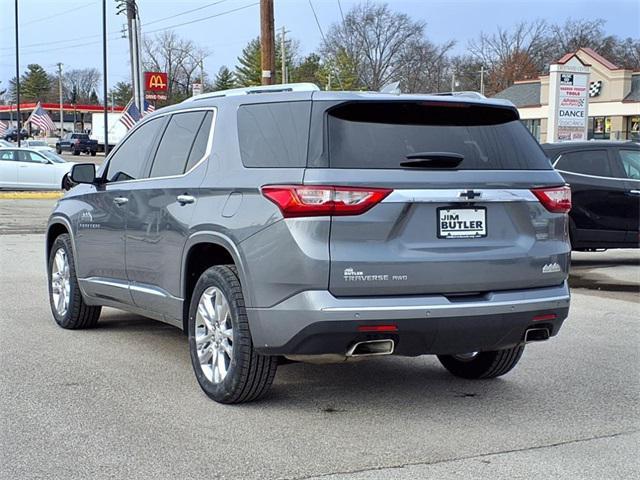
{"points": [[197, 89], [155, 82]]}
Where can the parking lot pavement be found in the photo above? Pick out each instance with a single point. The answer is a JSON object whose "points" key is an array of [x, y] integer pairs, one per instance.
{"points": [[84, 158], [120, 401]]}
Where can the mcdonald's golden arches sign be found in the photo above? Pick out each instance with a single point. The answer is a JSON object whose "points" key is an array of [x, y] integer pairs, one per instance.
{"points": [[155, 81]]}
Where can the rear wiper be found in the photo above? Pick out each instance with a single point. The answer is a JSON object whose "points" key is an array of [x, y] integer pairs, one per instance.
{"points": [[433, 160]]}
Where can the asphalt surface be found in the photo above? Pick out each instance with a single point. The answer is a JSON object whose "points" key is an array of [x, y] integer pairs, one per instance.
{"points": [[120, 401]]}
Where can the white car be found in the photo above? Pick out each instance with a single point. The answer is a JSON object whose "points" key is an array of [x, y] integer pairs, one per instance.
{"points": [[4, 143], [28, 169], [37, 145]]}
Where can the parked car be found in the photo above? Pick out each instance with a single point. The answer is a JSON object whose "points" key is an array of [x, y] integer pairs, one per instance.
{"points": [[77, 143], [37, 145], [28, 169], [4, 143], [356, 225], [605, 184], [11, 135]]}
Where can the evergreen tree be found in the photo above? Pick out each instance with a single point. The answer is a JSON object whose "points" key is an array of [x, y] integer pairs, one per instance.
{"points": [[121, 93], [93, 98], [224, 79], [249, 69], [35, 83]]}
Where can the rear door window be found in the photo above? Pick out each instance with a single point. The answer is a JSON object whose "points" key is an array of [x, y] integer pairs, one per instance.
{"points": [[7, 155], [586, 162], [274, 134], [380, 135], [176, 144]]}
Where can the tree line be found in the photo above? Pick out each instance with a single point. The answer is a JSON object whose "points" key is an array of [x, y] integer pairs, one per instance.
{"points": [[370, 46]]}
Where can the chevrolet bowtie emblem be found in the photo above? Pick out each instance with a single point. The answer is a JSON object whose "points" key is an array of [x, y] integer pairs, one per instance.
{"points": [[470, 194]]}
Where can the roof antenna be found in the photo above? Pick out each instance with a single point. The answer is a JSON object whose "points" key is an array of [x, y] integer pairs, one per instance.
{"points": [[392, 88]]}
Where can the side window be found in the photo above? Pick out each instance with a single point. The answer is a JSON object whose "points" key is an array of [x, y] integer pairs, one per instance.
{"points": [[586, 162], [7, 155], [631, 163], [177, 141], [128, 162], [274, 134], [31, 157], [200, 144]]}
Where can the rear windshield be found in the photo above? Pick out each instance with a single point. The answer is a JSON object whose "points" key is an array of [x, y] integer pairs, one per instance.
{"points": [[82, 136], [382, 134]]}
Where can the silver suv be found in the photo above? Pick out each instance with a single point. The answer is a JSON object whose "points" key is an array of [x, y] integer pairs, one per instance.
{"points": [[286, 222]]}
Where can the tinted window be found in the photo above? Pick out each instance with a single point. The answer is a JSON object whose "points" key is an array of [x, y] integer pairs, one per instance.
{"points": [[274, 134], [383, 134], [631, 163], [173, 151], [7, 155], [82, 136], [587, 162], [129, 160], [200, 144]]}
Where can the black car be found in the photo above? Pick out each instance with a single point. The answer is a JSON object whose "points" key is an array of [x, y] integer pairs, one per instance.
{"points": [[605, 184], [11, 135], [77, 143]]}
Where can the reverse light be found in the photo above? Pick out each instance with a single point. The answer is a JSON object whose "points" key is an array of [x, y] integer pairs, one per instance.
{"points": [[554, 199], [319, 200]]}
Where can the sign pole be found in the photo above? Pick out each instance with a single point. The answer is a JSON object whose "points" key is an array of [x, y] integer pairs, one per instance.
{"points": [[104, 77], [17, 78]]}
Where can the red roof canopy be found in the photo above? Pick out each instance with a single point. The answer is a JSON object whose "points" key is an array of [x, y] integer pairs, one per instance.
{"points": [[65, 106]]}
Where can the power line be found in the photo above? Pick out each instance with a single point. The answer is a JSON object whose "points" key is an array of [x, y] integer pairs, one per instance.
{"points": [[325, 41], [74, 9], [184, 13]]}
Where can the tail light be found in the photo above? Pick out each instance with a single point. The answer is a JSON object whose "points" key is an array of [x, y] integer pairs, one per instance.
{"points": [[554, 199], [319, 200]]}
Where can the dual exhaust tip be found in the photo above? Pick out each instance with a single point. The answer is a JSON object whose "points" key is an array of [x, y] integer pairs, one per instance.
{"points": [[371, 348]]}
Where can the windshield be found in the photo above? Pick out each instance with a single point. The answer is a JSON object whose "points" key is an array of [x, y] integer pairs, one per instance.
{"points": [[387, 134], [53, 157]]}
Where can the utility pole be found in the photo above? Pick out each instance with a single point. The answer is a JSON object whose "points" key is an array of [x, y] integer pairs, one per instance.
{"points": [[453, 81], [283, 53], [267, 45], [60, 94], [17, 78], [482, 79], [131, 9], [104, 78]]}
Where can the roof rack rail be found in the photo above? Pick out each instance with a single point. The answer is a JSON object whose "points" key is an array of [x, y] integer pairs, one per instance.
{"points": [[283, 87], [462, 93]]}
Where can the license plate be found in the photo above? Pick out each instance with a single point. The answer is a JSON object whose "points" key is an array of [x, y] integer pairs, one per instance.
{"points": [[462, 222]]}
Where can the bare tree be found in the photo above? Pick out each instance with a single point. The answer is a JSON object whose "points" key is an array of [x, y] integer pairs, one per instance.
{"points": [[79, 85], [181, 59], [424, 66], [376, 41]]}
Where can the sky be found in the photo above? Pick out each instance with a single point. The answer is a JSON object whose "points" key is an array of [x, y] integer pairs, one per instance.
{"points": [[69, 31]]}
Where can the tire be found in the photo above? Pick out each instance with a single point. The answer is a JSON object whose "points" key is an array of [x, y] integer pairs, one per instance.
{"points": [[77, 313], [93, 153], [58, 150], [76, 152], [483, 364], [247, 375]]}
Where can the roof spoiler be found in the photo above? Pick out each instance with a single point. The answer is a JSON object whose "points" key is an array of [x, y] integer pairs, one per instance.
{"points": [[284, 87]]}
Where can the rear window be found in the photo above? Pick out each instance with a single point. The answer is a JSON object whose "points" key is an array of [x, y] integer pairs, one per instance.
{"points": [[383, 134], [274, 134], [81, 136]]}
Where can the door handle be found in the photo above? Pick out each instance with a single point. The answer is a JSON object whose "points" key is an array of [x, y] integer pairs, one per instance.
{"points": [[120, 201], [185, 199]]}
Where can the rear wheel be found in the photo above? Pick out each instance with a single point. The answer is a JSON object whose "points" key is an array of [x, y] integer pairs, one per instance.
{"points": [[76, 152], [67, 304], [58, 149], [93, 153], [225, 363], [476, 365]]}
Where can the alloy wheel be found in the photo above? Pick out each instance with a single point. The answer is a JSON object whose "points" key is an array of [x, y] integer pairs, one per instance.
{"points": [[60, 282]]}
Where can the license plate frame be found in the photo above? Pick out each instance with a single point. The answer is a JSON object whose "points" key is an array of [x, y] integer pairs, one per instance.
{"points": [[479, 214]]}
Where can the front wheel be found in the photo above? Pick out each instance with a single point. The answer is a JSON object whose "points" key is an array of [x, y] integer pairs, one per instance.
{"points": [[58, 149], [67, 305], [76, 152], [224, 361], [477, 365], [93, 153]]}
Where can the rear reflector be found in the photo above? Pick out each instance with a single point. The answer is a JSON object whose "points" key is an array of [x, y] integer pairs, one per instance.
{"points": [[547, 316], [554, 199], [377, 328], [319, 200]]}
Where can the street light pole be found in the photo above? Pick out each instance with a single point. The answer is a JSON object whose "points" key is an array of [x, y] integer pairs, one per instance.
{"points": [[60, 93], [17, 78], [104, 77]]}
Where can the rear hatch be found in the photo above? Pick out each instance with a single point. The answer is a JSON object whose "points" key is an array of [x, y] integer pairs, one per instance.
{"points": [[460, 218]]}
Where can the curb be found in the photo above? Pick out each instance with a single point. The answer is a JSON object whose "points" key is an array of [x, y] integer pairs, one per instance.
{"points": [[48, 195]]}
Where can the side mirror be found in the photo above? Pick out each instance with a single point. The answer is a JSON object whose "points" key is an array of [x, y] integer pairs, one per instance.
{"points": [[83, 173]]}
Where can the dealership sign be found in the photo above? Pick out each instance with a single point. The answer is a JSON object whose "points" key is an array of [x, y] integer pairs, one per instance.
{"points": [[568, 101], [155, 82]]}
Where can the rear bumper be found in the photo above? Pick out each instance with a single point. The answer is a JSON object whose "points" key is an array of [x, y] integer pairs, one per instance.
{"points": [[316, 322]]}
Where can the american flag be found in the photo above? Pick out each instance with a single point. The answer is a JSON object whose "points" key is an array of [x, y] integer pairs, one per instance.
{"points": [[41, 119], [3, 128], [148, 108], [130, 115]]}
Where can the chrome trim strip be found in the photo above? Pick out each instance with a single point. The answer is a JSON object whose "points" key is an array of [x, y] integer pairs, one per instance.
{"points": [[584, 174], [487, 304], [162, 114], [109, 283], [452, 195]]}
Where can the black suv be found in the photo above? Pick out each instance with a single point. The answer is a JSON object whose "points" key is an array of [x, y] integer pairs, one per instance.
{"points": [[605, 185]]}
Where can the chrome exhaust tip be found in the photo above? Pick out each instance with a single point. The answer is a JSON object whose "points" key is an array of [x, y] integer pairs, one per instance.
{"points": [[536, 335], [371, 348]]}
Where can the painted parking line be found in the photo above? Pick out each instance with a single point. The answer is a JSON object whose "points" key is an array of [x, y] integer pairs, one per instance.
{"points": [[44, 195]]}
